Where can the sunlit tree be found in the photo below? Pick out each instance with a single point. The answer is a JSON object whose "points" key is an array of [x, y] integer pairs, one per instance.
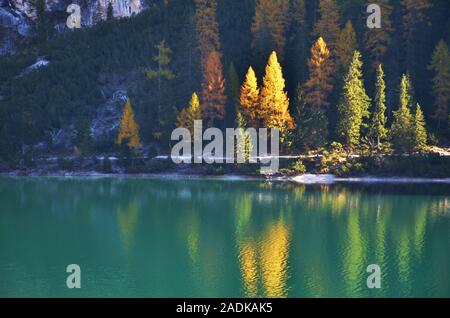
{"points": [[377, 125], [213, 90], [354, 105], [274, 100], [188, 115], [249, 100], [129, 129]]}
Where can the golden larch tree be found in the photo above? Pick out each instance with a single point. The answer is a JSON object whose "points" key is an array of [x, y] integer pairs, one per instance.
{"points": [[249, 99], [129, 129], [274, 100], [213, 90], [188, 115]]}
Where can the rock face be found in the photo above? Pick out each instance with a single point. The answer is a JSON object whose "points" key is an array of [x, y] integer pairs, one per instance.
{"points": [[17, 17]]}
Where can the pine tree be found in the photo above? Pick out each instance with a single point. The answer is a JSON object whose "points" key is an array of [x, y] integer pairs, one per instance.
{"points": [[213, 90], [232, 90], [207, 28], [274, 100], [420, 132], [345, 47], [188, 115], [377, 127], [311, 124], [110, 12], [269, 27], [378, 40], [249, 100], [42, 23], [402, 129], [440, 65], [298, 45], [354, 105], [162, 73], [244, 144], [317, 91], [327, 26], [129, 129], [414, 16]]}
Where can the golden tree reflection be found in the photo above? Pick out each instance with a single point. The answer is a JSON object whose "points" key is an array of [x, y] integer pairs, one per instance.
{"points": [[126, 220], [263, 255]]}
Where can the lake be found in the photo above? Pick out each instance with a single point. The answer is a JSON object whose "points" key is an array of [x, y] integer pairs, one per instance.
{"points": [[141, 237]]}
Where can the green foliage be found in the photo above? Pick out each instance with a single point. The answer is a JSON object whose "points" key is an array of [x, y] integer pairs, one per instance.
{"points": [[377, 126], [402, 129], [354, 106], [420, 132]]}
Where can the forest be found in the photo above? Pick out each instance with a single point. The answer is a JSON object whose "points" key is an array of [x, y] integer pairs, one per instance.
{"points": [[311, 68]]}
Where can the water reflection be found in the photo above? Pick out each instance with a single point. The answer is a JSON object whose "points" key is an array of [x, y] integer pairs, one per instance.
{"points": [[193, 238]]}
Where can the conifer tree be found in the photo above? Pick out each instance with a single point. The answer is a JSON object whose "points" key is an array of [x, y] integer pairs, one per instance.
{"points": [[414, 16], [129, 129], [402, 129], [298, 45], [377, 127], [354, 105], [110, 12], [440, 65], [345, 47], [249, 100], [244, 145], [269, 27], [420, 132], [317, 91], [207, 28], [42, 23], [232, 92], [162, 73], [213, 90], [188, 115], [274, 100], [378, 40], [327, 26]]}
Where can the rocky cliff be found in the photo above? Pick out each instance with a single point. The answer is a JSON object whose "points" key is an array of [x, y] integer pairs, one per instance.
{"points": [[17, 17]]}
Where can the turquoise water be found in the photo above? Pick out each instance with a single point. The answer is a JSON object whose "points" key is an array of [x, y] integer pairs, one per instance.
{"points": [[210, 238]]}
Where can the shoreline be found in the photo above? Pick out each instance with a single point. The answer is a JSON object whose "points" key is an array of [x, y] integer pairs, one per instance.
{"points": [[299, 179]]}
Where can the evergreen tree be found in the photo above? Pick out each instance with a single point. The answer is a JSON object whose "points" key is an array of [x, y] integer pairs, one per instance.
{"points": [[377, 127], [249, 100], [244, 144], [327, 26], [207, 28], [232, 89], [414, 16], [345, 47], [354, 105], [129, 129], [188, 115], [298, 46], [213, 90], [162, 73], [440, 65], [42, 23], [274, 100], [110, 12], [402, 129], [420, 132], [317, 91], [378, 40], [269, 27]]}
